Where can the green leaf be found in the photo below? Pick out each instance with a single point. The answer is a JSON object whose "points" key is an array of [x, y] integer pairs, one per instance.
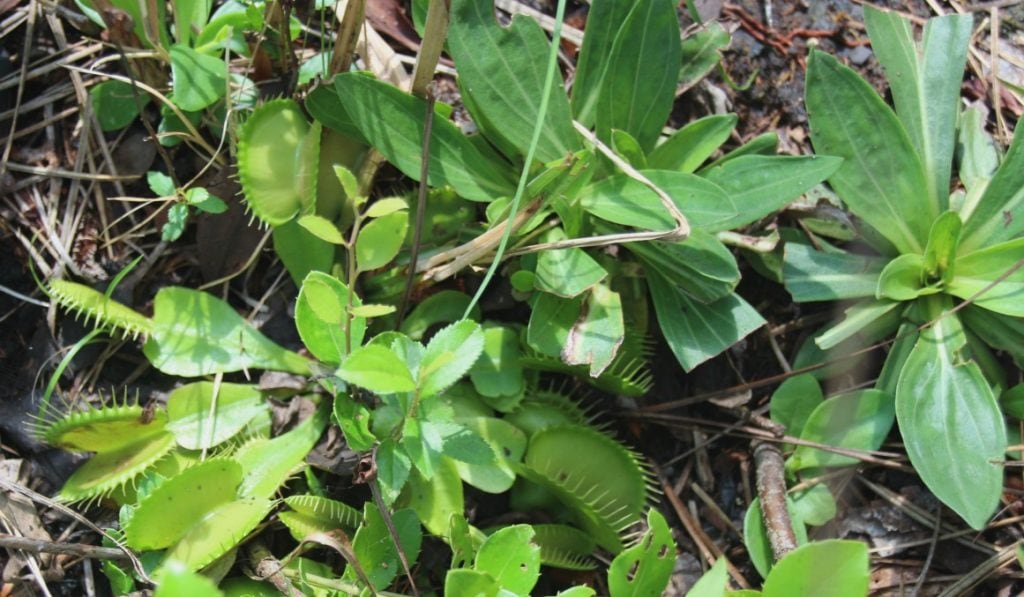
{"points": [[166, 514], [700, 266], [701, 51], [320, 317], [925, 83], [512, 558], [386, 206], [190, 16], [998, 331], [464, 445], [595, 337], [977, 154], [713, 583], [943, 241], [377, 369], [267, 463], [198, 80], [628, 149], [200, 419], [202, 200], [370, 311], [815, 505], [692, 145], [881, 177], [566, 272], [603, 23], [445, 306], [470, 582], [794, 401], [1012, 401], [950, 421], [176, 579], [497, 375], [300, 251], [623, 200], [177, 216], [902, 279], [759, 185], [999, 215], [354, 420], [435, 500], [272, 164], [979, 270], [449, 355], [503, 70], [859, 318], [393, 466], [116, 106], [645, 568], [695, 331], [508, 445], [392, 121], [375, 549], [855, 421], [217, 532], [639, 82], [158, 182], [195, 333], [550, 321], [755, 536], [322, 228], [813, 275], [380, 240], [801, 572]]}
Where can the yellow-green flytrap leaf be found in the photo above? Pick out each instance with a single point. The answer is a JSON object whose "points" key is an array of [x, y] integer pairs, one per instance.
{"points": [[200, 420], [103, 310], [320, 317], [645, 568], [267, 463], [315, 514], [107, 471], [270, 145], [218, 531], [103, 429]]}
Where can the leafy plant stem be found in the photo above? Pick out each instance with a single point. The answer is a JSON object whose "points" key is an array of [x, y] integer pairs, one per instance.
{"points": [[390, 523], [350, 257], [771, 489], [421, 204], [542, 111]]}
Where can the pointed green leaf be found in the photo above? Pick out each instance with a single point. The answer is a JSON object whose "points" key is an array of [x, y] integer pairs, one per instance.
{"points": [[449, 355], [566, 272], [386, 206], [512, 558], [689, 147], [377, 369], [902, 279], [999, 215], [603, 23], [882, 176], [858, 319], [393, 466], [794, 401], [198, 80], [322, 228], [623, 200], [595, 338], [320, 317], [799, 574], [645, 568], [979, 271], [713, 583], [700, 266], [813, 275], [380, 240], [498, 375], [856, 421]]}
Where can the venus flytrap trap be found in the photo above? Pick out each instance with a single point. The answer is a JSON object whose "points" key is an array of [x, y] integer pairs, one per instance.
{"points": [[944, 274]]}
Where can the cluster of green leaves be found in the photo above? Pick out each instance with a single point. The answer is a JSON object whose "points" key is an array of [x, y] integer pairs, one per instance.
{"points": [[942, 275]]}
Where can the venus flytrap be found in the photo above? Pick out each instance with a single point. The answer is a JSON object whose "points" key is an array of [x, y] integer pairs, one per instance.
{"points": [[944, 273]]}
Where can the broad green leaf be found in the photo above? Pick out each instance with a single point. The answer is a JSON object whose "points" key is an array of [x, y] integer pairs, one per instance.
{"points": [[828, 567], [755, 536], [763, 144], [622, 200], [116, 106], [512, 558], [550, 321], [435, 500], [176, 579], [628, 149], [713, 583], [855, 421], [275, 177], [692, 145], [566, 272], [217, 532], [320, 317], [195, 333], [1012, 401], [943, 241], [813, 275], [503, 69], [377, 369], [595, 338], [695, 331], [882, 176], [166, 514], [444, 307], [324, 104], [393, 466], [700, 266], [198, 80], [375, 549], [461, 443], [858, 319], [158, 182], [603, 23], [354, 420], [977, 155], [906, 338], [392, 121], [380, 240], [267, 463], [508, 444], [200, 419], [449, 356], [322, 228], [759, 185], [300, 251], [498, 375], [902, 279], [925, 83], [202, 200], [815, 505], [315, 514], [978, 271], [701, 51], [386, 206], [950, 421], [645, 568], [794, 401], [107, 471], [190, 16], [639, 83], [470, 582]]}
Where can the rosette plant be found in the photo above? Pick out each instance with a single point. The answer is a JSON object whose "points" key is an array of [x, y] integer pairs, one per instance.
{"points": [[942, 273]]}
